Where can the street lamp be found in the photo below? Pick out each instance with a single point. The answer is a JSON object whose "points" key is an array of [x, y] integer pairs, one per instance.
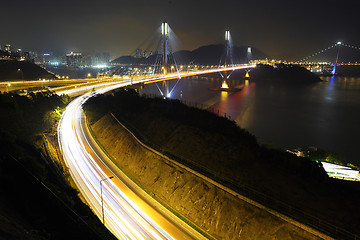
{"points": [[22, 73], [102, 202]]}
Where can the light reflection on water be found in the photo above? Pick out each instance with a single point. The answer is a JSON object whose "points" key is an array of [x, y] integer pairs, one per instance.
{"points": [[324, 114]]}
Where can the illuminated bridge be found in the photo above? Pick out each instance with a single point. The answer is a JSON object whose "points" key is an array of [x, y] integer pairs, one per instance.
{"points": [[159, 67], [125, 209], [330, 67]]}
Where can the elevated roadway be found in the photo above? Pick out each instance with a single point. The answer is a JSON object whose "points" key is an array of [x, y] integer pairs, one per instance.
{"points": [[77, 87], [128, 212]]}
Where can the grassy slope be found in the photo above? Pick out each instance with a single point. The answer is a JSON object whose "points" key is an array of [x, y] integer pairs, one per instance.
{"points": [[232, 156]]}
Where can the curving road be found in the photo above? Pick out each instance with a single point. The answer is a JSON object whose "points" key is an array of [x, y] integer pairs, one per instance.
{"points": [[128, 212]]}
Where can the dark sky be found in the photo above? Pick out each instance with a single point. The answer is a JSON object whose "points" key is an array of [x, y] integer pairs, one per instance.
{"points": [[284, 29]]}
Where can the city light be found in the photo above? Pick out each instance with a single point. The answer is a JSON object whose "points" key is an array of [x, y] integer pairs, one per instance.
{"points": [[101, 66], [224, 85]]}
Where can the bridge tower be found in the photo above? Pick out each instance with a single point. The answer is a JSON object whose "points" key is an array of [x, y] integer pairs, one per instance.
{"points": [[224, 84], [333, 72], [165, 36], [248, 59]]}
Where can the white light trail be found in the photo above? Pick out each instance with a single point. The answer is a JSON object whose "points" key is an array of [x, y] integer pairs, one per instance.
{"points": [[126, 214], [338, 171]]}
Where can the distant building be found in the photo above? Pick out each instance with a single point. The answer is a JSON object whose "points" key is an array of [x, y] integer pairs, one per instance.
{"points": [[7, 48], [145, 55], [25, 56], [101, 59], [46, 58], [138, 53], [74, 59]]}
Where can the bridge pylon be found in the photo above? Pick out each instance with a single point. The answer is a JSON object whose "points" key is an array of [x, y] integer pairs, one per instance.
{"points": [[225, 76], [333, 72], [165, 37]]}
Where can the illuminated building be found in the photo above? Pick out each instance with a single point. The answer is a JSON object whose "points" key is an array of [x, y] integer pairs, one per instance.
{"points": [[74, 59], [7, 48]]}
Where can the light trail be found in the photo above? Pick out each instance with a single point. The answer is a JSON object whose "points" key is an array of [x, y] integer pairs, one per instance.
{"points": [[123, 217], [127, 215], [338, 171]]}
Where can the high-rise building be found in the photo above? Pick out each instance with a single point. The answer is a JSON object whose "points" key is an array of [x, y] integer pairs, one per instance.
{"points": [[74, 59], [7, 48], [46, 57]]}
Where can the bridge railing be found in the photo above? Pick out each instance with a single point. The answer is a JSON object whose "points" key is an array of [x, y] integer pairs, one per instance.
{"points": [[298, 213]]}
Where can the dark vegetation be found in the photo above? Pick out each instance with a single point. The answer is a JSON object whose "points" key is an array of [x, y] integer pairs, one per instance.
{"points": [[221, 150], [36, 201], [22, 70]]}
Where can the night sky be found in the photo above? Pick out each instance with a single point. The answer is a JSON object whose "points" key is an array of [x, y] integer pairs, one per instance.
{"points": [[283, 29]]}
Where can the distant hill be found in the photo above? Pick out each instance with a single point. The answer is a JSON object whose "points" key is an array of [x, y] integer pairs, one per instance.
{"points": [[22, 70], [205, 55]]}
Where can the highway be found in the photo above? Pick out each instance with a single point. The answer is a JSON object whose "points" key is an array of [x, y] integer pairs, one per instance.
{"points": [[77, 87], [129, 212]]}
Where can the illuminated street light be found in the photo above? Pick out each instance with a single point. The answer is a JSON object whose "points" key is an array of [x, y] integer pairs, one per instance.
{"points": [[89, 75], [102, 201]]}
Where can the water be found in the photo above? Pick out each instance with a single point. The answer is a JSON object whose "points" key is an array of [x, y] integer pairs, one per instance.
{"points": [[325, 114]]}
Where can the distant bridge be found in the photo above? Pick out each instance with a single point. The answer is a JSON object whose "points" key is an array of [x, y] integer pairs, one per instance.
{"points": [[328, 67]]}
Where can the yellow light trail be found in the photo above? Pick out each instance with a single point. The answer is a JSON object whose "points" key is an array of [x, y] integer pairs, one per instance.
{"points": [[127, 214]]}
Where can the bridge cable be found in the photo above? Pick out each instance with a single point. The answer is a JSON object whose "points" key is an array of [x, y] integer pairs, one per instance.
{"points": [[328, 48]]}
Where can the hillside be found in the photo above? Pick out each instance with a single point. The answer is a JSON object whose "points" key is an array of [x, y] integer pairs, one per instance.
{"points": [[37, 201], [217, 212], [221, 150], [22, 70]]}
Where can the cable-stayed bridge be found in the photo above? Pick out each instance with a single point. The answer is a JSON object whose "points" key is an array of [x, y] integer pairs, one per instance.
{"points": [[122, 212], [160, 65], [327, 60]]}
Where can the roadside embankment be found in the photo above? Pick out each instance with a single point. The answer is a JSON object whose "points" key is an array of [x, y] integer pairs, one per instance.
{"points": [[222, 151], [214, 210]]}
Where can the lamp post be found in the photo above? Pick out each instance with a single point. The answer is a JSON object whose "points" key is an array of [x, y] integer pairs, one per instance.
{"points": [[22, 73], [102, 201]]}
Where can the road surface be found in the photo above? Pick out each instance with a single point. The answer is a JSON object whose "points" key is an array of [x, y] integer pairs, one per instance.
{"points": [[128, 212]]}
